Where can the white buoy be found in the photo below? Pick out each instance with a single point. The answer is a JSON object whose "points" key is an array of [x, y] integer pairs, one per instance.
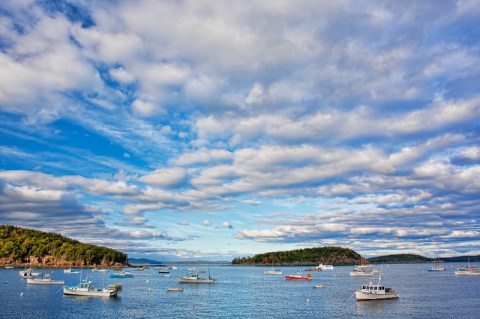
{"points": [[21, 294]]}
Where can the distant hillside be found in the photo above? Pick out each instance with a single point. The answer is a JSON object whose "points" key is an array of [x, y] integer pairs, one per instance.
{"points": [[399, 259], [305, 257], [462, 259], [27, 247]]}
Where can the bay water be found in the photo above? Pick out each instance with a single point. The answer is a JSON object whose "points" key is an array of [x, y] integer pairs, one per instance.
{"points": [[245, 292]]}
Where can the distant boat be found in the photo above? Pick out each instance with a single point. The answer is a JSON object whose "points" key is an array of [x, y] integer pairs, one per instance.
{"points": [[320, 286], [193, 277], [325, 267], [363, 270], [45, 280], [175, 289], [121, 274], [9, 267], [467, 270], [298, 276], [99, 269], [164, 270], [273, 271], [70, 271], [436, 266], [28, 273]]}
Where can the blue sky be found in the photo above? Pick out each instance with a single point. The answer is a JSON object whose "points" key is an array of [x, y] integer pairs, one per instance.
{"points": [[179, 130]]}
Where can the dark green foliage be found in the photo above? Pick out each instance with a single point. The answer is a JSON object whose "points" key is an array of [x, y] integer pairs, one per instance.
{"points": [[399, 259], [307, 256], [19, 244]]}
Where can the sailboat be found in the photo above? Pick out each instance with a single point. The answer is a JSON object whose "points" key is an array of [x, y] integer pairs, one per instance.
{"points": [[436, 266], [273, 271]]}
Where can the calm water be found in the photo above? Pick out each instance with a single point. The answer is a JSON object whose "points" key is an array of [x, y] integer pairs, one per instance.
{"points": [[245, 292]]}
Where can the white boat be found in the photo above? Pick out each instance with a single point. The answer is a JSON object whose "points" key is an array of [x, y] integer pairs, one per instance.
{"points": [[70, 271], [325, 267], [175, 289], [9, 267], [99, 269], [193, 277], [467, 270], [45, 280], [436, 266], [273, 271], [85, 288], [372, 291], [28, 273], [364, 271]]}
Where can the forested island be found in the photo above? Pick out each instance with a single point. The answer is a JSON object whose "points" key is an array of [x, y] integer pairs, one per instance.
{"points": [[304, 257], [24, 247], [336, 256]]}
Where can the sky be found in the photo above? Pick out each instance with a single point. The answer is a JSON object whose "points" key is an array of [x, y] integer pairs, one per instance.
{"points": [[210, 130]]}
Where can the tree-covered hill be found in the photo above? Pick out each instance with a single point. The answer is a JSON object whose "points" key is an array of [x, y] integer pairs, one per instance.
{"points": [[307, 256], [22, 246], [399, 259]]}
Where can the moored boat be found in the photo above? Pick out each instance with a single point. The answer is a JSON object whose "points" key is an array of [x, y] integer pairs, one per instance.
{"points": [[325, 267], [85, 288], [436, 266], [175, 289], [45, 280], [467, 270], [121, 274], [298, 276], [70, 271], [28, 273], [273, 272], [372, 291], [193, 277]]}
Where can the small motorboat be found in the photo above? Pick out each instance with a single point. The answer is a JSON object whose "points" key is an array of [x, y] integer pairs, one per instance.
{"points": [[175, 289], [372, 291]]}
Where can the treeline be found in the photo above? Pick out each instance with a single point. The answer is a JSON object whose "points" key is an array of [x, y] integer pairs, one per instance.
{"points": [[20, 244], [307, 256]]}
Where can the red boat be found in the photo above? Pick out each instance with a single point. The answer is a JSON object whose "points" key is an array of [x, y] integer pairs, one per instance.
{"points": [[298, 276]]}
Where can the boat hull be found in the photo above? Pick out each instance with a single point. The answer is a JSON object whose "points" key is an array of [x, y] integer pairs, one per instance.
{"points": [[92, 293], [32, 281], [196, 281], [297, 278], [369, 296], [466, 273]]}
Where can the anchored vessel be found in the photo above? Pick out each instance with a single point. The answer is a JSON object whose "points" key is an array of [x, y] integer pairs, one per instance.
{"points": [[298, 276], [45, 280], [372, 291], [193, 277], [467, 270]]}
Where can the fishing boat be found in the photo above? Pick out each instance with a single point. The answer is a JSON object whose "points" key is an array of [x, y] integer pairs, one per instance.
{"points": [[85, 288], [436, 266], [372, 291], [298, 276], [467, 270], [28, 273], [45, 280], [193, 277]]}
